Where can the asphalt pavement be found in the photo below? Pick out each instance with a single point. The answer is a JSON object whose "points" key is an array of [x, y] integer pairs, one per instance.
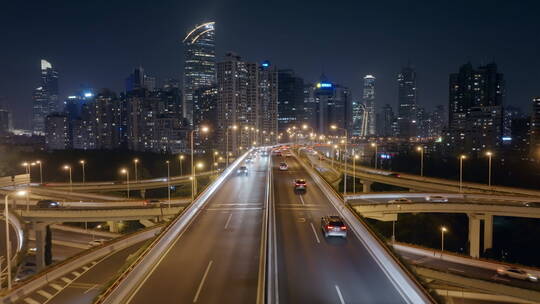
{"points": [[315, 269], [216, 259]]}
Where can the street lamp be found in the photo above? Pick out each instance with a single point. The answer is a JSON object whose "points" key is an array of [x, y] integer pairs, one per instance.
{"points": [[8, 243], [234, 128], [181, 160], [214, 167], [355, 158], [135, 164], [489, 154], [443, 230], [335, 127], [374, 145], [421, 150], [169, 181], [68, 168], [199, 166], [126, 172], [203, 129], [334, 147], [461, 158], [82, 162], [40, 171]]}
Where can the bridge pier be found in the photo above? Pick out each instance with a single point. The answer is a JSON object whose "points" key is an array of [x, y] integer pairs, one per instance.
{"points": [[113, 226], [40, 230], [474, 233], [366, 186]]}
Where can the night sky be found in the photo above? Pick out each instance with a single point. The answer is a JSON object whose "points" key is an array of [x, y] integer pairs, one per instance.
{"points": [[98, 43]]}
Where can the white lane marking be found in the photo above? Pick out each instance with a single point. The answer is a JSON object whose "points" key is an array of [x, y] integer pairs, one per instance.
{"points": [[75, 273], [340, 295], [456, 270], [31, 301], [45, 294], [56, 286], [302, 199], [66, 280], [88, 290], [228, 221], [86, 267], [202, 282], [315, 232]]}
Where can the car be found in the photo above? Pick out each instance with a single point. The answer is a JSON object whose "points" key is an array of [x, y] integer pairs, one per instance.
{"points": [[48, 204], [243, 170], [437, 198], [97, 242], [249, 159], [393, 174], [283, 167], [516, 273], [532, 204], [333, 225], [300, 184], [400, 200]]}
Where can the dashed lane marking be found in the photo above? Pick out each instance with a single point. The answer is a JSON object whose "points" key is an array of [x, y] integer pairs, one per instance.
{"points": [[340, 295], [66, 280], [315, 232], [202, 281], [45, 294], [56, 286], [31, 301]]}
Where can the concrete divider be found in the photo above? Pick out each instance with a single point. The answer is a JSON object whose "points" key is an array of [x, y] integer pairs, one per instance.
{"points": [[404, 282], [134, 275], [24, 288]]}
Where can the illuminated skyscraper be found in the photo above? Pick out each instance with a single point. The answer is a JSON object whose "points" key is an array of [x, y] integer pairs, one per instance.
{"points": [[268, 100], [199, 65], [369, 102], [407, 102], [45, 97]]}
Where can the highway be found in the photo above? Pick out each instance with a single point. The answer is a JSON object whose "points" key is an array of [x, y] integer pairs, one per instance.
{"points": [[312, 269], [83, 285], [216, 259]]}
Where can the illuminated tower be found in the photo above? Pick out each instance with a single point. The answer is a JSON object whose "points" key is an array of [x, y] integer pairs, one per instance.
{"points": [[369, 102], [199, 65]]}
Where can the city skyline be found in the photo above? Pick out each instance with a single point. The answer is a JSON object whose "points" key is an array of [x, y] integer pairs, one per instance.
{"points": [[161, 55]]}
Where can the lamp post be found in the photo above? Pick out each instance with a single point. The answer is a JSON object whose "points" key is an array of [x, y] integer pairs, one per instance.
{"points": [[461, 158], [40, 171], [135, 164], [355, 157], [181, 160], [203, 129], [200, 166], [305, 127], [126, 172], [214, 166], [421, 150], [83, 163], [234, 128], [169, 181], [68, 168], [334, 147], [334, 127], [489, 154], [374, 145], [8, 243], [443, 230]]}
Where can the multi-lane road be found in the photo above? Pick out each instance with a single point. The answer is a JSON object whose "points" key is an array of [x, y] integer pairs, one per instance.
{"points": [[216, 259], [312, 268]]}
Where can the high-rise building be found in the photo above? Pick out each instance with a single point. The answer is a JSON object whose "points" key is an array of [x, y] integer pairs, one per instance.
{"points": [[359, 119], [238, 101], [475, 110], [57, 131], [138, 80], [369, 103], [290, 98], [407, 96], [268, 100], [534, 150], [5, 122], [389, 120], [45, 97], [331, 105], [199, 64]]}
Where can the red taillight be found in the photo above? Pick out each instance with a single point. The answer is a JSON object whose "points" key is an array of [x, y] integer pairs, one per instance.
{"points": [[343, 228], [329, 227]]}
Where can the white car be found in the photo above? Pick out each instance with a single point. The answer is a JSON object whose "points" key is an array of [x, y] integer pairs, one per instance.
{"points": [[97, 242], [437, 198], [283, 167], [516, 273], [400, 200]]}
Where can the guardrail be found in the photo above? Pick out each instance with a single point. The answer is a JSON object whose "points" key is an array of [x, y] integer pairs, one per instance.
{"points": [[263, 279], [20, 291], [405, 283], [133, 276]]}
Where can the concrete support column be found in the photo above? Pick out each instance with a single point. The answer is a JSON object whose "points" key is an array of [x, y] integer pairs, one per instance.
{"points": [[41, 231], [488, 231], [474, 235], [366, 186], [113, 226], [143, 193]]}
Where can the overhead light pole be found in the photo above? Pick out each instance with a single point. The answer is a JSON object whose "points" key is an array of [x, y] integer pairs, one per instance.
{"points": [[374, 145], [203, 129], [443, 230], [461, 158], [68, 168], [135, 164], [40, 171], [83, 163], [181, 160], [126, 172], [169, 181], [335, 127], [421, 150], [234, 128], [489, 155], [8, 242]]}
